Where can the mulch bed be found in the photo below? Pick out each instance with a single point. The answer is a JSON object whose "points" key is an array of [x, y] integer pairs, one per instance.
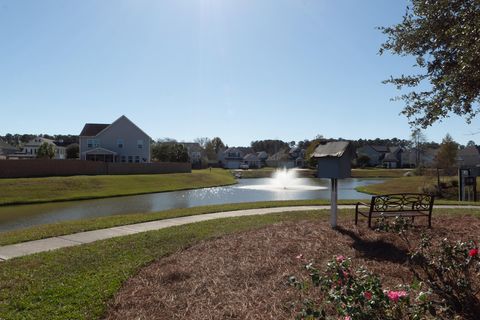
{"points": [[244, 276]]}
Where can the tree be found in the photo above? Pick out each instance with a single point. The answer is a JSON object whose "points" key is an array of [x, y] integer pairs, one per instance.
{"points": [[471, 143], [217, 144], [73, 151], [418, 140], [443, 36], [447, 154], [169, 152], [46, 150], [202, 141], [363, 161], [269, 146]]}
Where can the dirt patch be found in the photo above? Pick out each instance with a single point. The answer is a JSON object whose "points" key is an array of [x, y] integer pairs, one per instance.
{"points": [[244, 276]]}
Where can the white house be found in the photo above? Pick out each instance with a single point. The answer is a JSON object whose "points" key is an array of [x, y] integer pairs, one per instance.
{"points": [[30, 149]]}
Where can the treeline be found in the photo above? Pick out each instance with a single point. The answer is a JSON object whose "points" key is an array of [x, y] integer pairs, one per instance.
{"points": [[17, 140]]}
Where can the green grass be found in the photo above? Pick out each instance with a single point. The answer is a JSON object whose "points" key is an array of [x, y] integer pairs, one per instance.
{"points": [[78, 282], [379, 173], [40, 190], [398, 185], [68, 227]]}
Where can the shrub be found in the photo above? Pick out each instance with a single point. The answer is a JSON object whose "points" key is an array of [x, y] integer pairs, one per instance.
{"points": [[446, 284]]}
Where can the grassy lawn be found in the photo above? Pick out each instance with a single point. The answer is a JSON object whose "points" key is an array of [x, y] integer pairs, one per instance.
{"points": [[78, 282], [379, 173], [68, 227], [38, 190]]}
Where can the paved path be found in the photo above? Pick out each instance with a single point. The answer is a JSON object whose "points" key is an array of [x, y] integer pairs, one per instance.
{"points": [[36, 246]]}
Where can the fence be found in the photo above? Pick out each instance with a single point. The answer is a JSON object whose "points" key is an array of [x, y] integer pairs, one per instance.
{"points": [[51, 168]]}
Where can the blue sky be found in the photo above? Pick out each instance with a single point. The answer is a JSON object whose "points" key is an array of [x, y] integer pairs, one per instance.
{"points": [[240, 69]]}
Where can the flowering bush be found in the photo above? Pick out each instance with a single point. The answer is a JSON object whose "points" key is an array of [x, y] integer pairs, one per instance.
{"points": [[446, 284], [357, 294]]}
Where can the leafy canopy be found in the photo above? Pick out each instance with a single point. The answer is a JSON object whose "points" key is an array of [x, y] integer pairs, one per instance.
{"points": [[444, 37]]}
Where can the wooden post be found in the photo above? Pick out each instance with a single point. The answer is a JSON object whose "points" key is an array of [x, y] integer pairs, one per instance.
{"points": [[333, 203]]}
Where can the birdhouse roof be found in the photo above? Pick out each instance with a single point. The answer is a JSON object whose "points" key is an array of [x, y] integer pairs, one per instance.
{"points": [[331, 149]]}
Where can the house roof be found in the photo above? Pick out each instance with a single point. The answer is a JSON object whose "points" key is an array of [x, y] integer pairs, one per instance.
{"points": [[281, 155], [92, 129], [390, 157], [382, 149], [251, 157], [331, 149]]}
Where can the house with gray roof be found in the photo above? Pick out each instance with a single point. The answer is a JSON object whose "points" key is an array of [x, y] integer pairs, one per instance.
{"points": [[120, 141], [393, 159], [252, 160], [6, 150], [230, 158], [375, 153]]}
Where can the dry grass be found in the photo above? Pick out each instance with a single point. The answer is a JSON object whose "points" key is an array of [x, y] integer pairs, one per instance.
{"points": [[244, 276]]}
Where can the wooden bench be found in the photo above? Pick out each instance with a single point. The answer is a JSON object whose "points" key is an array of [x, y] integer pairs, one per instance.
{"points": [[392, 205]]}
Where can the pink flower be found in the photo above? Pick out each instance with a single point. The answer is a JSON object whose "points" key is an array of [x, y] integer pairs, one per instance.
{"points": [[367, 295], [396, 295], [300, 256], [473, 252], [340, 258], [347, 318]]}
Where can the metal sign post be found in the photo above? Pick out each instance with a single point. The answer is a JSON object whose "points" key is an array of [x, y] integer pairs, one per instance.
{"points": [[333, 202]]}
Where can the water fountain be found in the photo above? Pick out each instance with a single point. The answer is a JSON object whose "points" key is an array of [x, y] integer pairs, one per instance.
{"points": [[285, 180]]}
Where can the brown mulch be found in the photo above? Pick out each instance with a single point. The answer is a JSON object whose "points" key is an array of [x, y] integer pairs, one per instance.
{"points": [[244, 276]]}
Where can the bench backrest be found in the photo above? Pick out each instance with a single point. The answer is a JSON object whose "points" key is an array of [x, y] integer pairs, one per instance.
{"points": [[402, 202]]}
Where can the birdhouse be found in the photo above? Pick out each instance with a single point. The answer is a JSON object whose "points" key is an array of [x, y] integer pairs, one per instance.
{"points": [[334, 159]]}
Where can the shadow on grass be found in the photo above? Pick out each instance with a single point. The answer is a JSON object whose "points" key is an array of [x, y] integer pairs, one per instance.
{"points": [[379, 250]]}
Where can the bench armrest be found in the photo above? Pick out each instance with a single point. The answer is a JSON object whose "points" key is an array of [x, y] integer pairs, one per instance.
{"points": [[361, 204]]}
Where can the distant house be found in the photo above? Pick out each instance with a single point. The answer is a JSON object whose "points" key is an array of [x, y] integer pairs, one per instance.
{"points": [[252, 160], [6, 150], [469, 156], [121, 141], [231, 158], [413, 158], [262, 156], [281, 159], [287, 158], [30, 149], [195, 153], [375, 153], [393, 159]]}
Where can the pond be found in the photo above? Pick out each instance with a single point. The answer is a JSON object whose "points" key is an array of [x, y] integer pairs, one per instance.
{"points": [[247, 190]]}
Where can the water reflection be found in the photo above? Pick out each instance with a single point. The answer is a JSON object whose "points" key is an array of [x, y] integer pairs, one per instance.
{"points": [[15, 217]]}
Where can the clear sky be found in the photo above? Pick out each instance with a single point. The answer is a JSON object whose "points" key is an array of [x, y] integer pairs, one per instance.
{"points": [[240, 69]]}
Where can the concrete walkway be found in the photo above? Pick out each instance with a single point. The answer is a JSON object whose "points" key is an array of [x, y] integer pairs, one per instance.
{"points": [[36, 246]]}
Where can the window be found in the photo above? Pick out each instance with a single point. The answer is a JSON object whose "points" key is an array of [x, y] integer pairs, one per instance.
{"points": [[137, 159], [124, 159], [139, 144], [130, 159], [120, 143], [93, 143]]}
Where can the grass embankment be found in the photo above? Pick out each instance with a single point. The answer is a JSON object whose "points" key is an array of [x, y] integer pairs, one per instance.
{"points": [[78, 282], [69, 227], [379, 173], [40, 190]]}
